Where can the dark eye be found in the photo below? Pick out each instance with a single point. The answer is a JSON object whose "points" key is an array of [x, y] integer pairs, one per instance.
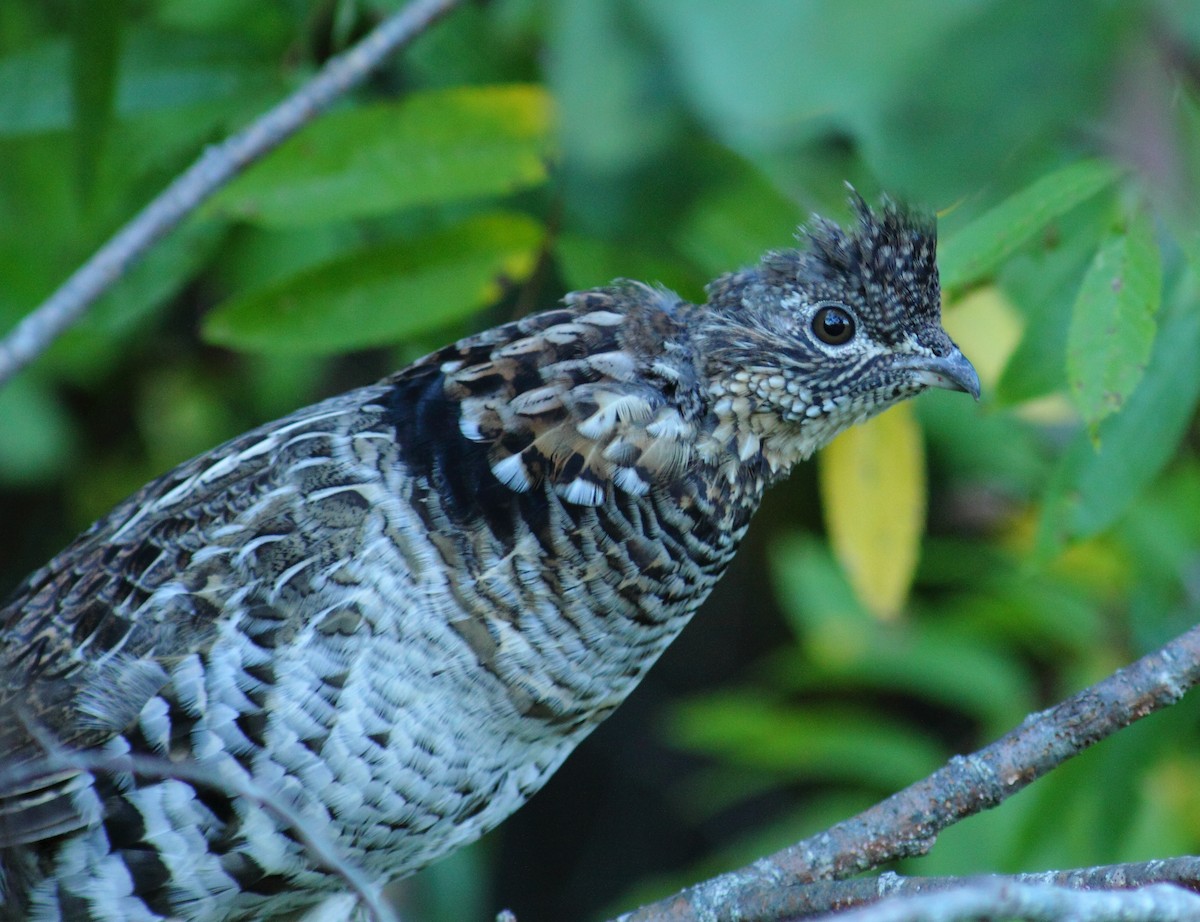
{"points": [[833, 325]]}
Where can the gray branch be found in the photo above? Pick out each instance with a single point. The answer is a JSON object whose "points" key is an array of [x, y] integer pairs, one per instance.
{"points": [[907, 824], [1007, 899], [216, 166], [814, 900]]}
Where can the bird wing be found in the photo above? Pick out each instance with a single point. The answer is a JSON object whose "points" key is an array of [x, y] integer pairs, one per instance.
{"points": [[87, 640], [604, 394], [581, 400]]}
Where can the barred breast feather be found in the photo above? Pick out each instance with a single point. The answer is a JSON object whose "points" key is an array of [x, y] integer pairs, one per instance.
{"points": [[398, 609]]}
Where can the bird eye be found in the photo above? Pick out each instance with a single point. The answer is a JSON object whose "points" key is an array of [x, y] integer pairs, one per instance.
{"points": [[833, 325]]}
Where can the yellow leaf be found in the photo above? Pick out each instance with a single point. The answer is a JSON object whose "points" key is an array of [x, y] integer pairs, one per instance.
{"points": [[873, 493], [986, 327]]}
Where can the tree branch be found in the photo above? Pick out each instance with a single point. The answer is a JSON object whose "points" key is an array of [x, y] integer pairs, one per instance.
{"points": [[997, 898], [907, 823], [826, 896], [216, 166]]}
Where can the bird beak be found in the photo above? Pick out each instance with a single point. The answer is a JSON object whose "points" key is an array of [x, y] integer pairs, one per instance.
{"points": [[953, 372]]}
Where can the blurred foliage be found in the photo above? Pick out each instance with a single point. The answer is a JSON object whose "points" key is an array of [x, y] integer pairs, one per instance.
{"points": [[527, 147]]}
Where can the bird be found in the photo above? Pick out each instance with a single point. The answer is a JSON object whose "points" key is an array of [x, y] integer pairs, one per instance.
{"points": [[396, 612]]}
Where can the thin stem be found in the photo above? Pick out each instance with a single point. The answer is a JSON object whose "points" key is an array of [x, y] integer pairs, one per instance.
{"points": [[1004, 899], [215, 167]]}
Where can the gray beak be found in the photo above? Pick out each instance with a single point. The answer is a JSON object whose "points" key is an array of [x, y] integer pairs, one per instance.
{"points": [[953, 372]]}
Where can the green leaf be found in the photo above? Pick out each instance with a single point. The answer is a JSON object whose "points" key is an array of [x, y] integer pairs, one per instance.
{"points": [[745, 728], [1043, 283], [1112, 326], [96, 44], [262, 22], [432, 147], [817, 598], [257, 257], [978, 249], [734, 224], [611, 121], [34, 91], [383, 294], [1092, 487], [843, 649], [938, 663], [159, 72], [741, 69]]}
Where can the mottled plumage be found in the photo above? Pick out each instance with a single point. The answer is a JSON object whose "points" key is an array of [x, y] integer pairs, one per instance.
{"points": [[399, 610]]}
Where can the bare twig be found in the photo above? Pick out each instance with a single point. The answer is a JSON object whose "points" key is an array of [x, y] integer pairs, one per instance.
{"points": [[1006, 899], [214, 168], [824, 896], [907, 823]]}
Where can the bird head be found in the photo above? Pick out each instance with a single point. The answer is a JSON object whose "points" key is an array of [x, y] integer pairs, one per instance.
{"points": [[818, 338]]}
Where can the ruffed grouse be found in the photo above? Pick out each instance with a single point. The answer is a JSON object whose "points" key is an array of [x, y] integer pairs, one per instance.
{"points": [[399, 610]]}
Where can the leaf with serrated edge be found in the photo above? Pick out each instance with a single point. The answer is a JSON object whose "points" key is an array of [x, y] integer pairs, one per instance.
{"points": [[979, 248], [873, 494], [1092, 489], [1113, 321]]}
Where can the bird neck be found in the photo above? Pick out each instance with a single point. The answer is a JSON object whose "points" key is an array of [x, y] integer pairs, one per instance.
{"points": [[751, 444]]}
